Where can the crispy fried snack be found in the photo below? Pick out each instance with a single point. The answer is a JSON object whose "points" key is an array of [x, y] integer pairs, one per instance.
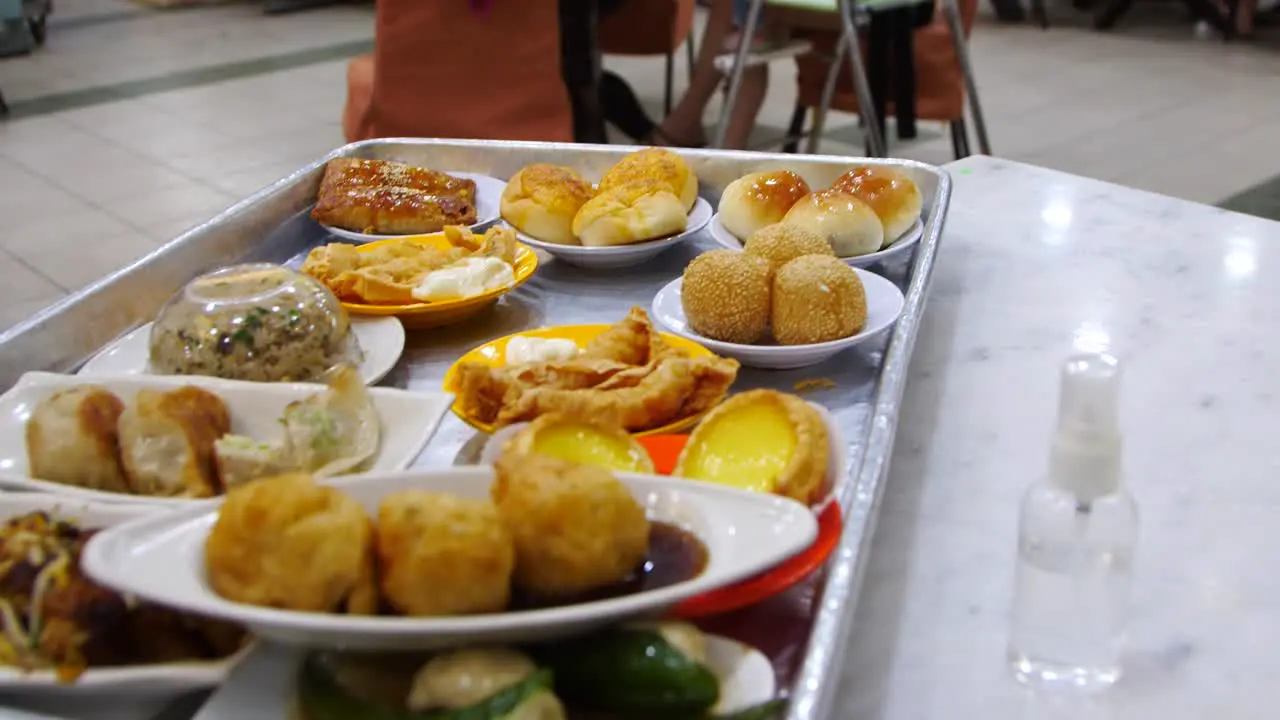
{"points": [[576, 527], [388, 274], [627, 376]]}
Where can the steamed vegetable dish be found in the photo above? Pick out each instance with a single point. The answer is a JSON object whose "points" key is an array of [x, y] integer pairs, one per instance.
{"points": [[640, 672]]}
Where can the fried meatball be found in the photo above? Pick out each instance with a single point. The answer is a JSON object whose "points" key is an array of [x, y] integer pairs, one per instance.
{"points": [[443, 555], [781, 243], [288, 543], [725, 294], [817, 298], [576, 527]]}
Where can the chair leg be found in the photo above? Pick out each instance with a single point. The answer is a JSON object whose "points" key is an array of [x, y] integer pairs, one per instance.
{"points": [[866, 103], [4, 106], [735, 76], [795, 129], [690, 54], [671, 74], [1040, 14], [966, 69], [960, 138], [828, 91]]}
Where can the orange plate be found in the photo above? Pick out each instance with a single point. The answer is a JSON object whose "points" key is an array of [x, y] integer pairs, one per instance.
{"points": [[426, 315], [665, 450], [494, 352]]}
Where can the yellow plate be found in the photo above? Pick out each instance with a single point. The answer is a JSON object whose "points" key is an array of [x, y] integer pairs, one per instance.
{"points": [[494, 353], [425, 315]]}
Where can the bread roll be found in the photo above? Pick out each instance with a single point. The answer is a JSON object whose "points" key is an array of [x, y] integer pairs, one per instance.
{"points": [[71, 439], [630, 213], [656, 164], [166, 442], [893, 196], [541, 201], [758, 200], [846, 222]]}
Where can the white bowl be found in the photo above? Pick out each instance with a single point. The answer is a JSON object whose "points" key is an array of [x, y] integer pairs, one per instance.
{"points": [[409, 419], [884, 305], [264, 685], [488, 200], [620, 256], [100, 688], [895, 250], [161, 558], [381, 340]]}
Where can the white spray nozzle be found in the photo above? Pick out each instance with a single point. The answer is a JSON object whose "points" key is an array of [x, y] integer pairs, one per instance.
{"points": [[1086, 447]]}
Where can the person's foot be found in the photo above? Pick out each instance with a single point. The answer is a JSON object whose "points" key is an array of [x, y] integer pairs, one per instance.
{"points": [[661, 137]]}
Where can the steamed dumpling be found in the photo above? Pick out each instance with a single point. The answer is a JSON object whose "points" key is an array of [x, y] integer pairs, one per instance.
{"points": [[167, 439], [465, 678], [333, 432], [242, 460]]}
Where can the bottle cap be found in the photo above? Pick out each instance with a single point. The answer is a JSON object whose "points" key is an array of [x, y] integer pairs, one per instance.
{"points": [[1085, 457]]}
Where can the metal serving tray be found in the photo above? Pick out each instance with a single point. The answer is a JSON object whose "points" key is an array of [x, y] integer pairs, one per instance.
{"points": [[804, 630]]}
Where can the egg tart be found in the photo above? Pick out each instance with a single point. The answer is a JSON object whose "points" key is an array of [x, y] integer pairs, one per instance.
{"points": [[761, 440], [582, 442]]}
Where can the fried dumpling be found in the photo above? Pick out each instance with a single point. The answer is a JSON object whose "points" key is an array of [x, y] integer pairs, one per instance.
{"points": [[71, 439], [240, 460], [166, 442], [333, 432]]}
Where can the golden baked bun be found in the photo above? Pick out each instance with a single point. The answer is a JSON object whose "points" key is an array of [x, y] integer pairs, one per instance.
{"points": [[628, 214], [761, 440], [781, 243], [758, 200], [659, 165], [577, 528], [726, 296], [541, 201], [443, 555], [894, 197], [817, 298], [288, 543], [849, 225]]}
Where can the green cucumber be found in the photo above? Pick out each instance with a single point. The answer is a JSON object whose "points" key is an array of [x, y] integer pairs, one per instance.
{"points": [[321, 698], [631, 673]]}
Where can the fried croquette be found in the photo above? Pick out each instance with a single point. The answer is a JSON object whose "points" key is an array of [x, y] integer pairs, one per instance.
{"points": [[443, 555], [726, 296], [781, 243], [288, 543], [576, 527], [817, 298]]}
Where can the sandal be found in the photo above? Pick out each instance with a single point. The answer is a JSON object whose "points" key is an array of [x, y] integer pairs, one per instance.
{"points": [[662, 138]]}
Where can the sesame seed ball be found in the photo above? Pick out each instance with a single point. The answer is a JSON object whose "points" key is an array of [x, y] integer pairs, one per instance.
{"points": [[781, 243], [817, 298], [725, 294]]}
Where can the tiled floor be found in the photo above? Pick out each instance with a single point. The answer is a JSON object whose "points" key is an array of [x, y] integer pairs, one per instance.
{"points": [[132, 125]]}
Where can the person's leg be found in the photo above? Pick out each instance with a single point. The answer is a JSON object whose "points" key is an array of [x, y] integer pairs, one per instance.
{"points": [[684, 125], [755, 84]]}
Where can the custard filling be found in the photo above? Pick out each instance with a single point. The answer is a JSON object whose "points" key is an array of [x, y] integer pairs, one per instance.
{"points": [[585, 445], [748, 449]]}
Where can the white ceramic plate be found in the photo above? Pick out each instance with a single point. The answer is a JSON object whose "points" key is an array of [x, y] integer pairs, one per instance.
{"points": [[896, 249], [409, 419], [488, 199], [884, 305], [620, 256], [264, 685], [161, 558], [381, 340], [127, 686]]}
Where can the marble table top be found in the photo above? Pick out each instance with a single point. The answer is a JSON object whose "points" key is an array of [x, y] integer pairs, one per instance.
{"points": [[1034, 263]]}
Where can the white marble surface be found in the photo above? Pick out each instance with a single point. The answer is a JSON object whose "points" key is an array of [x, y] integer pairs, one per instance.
{"points": [[1034, 262]]}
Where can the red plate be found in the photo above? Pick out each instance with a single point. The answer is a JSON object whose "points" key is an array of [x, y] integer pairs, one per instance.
{"points": [[665, 450]]}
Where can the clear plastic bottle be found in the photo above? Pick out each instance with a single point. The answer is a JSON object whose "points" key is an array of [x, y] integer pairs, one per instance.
{"points": [[1076, 540]]}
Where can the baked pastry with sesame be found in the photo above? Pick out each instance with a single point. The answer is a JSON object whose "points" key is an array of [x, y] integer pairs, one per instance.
{"points": [[726, 296], [541, 201], [817, 298], [630, 213], [758, 200], [781, 243], [894, 197]]}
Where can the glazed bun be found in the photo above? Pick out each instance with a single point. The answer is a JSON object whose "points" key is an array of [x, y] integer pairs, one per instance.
{"points": [[894, 197], [659, 165], [630, 213], [541, 201], [759, 200], [848, 224]]}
